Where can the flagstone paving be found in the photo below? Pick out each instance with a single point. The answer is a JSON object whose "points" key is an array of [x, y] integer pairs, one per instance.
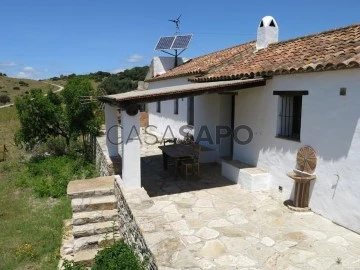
{"points": [[229, 228], [210, 223]]}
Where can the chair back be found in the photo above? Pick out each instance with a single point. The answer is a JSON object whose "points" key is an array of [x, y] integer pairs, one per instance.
{"points": [[172, 141]]}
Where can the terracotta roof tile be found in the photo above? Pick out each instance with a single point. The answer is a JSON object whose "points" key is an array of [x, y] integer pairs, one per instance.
{"points": [[334, 49]]}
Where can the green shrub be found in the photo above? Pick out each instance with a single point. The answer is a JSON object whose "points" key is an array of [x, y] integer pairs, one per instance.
{"points": [[118, 256], [4, 99], [22, 83], [16, 88], [71, 265], [56, 146], [49, 177]]}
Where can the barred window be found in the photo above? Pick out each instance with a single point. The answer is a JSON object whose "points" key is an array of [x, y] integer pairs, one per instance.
{"points": [[289, 119]]}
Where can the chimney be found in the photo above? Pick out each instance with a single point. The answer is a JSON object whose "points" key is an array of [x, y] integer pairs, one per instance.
{"points": [[267, 33]]}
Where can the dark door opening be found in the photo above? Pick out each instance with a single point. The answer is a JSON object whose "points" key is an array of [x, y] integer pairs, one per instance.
{"points": [[190, 111]]}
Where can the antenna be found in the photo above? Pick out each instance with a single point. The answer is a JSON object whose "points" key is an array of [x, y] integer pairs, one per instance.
{"points": [[177, 23], [177, 42], [84, 100]]}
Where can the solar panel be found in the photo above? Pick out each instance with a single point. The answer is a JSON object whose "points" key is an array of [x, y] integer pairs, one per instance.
{"points": [[181, 42], [165, 43]]}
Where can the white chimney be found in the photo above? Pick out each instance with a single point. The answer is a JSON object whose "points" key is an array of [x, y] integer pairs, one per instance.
{"points": [[267, 33]]}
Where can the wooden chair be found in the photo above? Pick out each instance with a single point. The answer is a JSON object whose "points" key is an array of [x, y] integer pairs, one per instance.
{"points": [[190, 166], [170, 161]]}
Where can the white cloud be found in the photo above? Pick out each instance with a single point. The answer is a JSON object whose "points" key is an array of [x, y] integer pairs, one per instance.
{"points": [[27, 72], [29, 69], [117, 70], [8, 64], [135, 58]]}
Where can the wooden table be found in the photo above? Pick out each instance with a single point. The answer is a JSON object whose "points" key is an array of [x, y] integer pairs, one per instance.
{"points": [[176, 152]]}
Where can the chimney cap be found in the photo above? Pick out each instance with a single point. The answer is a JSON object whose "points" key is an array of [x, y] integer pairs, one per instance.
{"points": [[268, 21]]}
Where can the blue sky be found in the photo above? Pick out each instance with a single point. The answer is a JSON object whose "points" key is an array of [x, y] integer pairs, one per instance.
{"points": [[41, 39]]}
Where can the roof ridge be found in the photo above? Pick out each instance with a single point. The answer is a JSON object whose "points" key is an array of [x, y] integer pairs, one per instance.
{"points": [[332, 49], [314, 34]]}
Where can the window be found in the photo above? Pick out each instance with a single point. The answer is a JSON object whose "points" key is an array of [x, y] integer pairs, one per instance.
{"points": [[290, 107], [158, 106], [176, 106]]}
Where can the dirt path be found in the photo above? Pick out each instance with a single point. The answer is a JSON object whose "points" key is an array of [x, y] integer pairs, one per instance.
{"points": [[60, 88]]}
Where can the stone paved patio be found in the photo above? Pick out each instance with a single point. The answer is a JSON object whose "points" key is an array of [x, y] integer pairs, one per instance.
{"points": [[210, 223]]}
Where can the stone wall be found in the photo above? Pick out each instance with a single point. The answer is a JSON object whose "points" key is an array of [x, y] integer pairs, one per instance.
{"points": [[129, 228], [104, 165]]}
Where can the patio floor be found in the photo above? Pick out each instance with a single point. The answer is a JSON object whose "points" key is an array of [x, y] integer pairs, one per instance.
{"points": [[211, 223]]}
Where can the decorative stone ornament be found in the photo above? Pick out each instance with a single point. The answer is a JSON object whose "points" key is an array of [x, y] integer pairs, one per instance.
{"points": [[306, 160], [305, 167]]}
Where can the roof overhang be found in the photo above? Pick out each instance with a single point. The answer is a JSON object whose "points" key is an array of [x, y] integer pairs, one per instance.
{"points": [[124, 100]]}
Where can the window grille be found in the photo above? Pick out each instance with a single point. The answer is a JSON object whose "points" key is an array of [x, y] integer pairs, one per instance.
{"points": [[289, 125]]}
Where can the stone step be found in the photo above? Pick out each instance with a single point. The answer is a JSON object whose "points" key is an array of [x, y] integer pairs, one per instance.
{"points": [[95, 228], [93, 204], [81, 218], [100, 186], [85, 257], [96, 241]]}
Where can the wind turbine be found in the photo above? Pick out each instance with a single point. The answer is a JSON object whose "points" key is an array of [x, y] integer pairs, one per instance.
{"points": [[177, 23]]}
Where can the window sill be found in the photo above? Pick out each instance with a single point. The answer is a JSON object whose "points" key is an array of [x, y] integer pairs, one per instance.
{"points": [[288, 138]]}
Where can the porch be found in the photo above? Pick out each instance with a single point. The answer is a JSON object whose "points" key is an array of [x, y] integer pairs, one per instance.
{"points": [[211, 223]]}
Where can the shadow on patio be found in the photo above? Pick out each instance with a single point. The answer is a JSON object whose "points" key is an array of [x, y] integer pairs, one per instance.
{"points": [[158, 182]]}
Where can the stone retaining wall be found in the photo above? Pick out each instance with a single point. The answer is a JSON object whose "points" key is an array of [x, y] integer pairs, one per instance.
{"points": [[104, 164], [129, 228]]}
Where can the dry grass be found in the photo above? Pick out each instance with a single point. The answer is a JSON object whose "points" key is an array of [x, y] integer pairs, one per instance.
{"points": [[30, 227], [8, 84]]}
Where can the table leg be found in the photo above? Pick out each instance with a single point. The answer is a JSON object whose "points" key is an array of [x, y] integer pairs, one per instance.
{"points": [[176, 168], [165, 161]]}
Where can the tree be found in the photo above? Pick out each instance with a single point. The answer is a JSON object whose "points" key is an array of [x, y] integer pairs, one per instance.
{"points": [[81, 117], [124, 81], [41, 117], [44, 116], [4, 99]]}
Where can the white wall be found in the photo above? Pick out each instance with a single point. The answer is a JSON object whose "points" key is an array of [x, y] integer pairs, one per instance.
{"points": [[211, 111], [330, 124], [166, 118]]}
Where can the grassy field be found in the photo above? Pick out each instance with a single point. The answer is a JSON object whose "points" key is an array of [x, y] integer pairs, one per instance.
{"points": [[30, 227], [13, 86]]}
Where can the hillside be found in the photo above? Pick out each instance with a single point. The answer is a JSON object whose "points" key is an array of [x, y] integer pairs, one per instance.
{"points": [[124, 81], [13, 87]]}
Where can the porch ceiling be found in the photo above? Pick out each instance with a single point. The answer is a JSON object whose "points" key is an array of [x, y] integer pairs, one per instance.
{"points": [[180, 91]]}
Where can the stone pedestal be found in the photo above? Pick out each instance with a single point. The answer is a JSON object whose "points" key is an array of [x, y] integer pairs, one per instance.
{"points": [[302, 188]]}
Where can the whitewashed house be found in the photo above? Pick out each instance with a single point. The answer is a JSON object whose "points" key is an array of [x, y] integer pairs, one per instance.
{"points": [[277, 96]]}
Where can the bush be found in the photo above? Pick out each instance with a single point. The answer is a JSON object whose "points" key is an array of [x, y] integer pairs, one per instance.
{"points": [[71, 265], [118, 256], [16, 88], [49, 176], [22, 83], [4, 99]]}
